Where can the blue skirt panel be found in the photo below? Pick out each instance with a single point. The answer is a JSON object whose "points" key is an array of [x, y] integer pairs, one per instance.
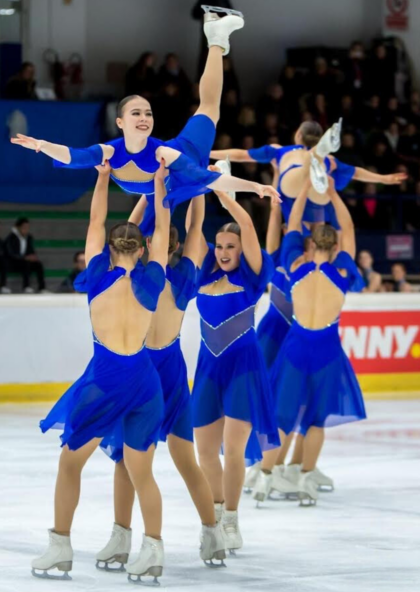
{"points": [[170, 365], [118, 398], [313, 381], [271, 333]]}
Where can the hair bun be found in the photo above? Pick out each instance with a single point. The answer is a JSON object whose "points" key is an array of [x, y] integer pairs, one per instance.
{"points": [[126, 245]]}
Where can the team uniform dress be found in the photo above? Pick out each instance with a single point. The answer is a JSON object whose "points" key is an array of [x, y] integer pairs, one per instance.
{"points": [[169, 361], [119, 396], [276, 322], [312, 379], [231, 378], [134, 173], [313, 212]]}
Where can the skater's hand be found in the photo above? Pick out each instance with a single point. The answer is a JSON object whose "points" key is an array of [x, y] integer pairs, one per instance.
{"points": [[267, 191], [27, 142], [104, 169], [394, 179], [161, 172], [213, 168]]}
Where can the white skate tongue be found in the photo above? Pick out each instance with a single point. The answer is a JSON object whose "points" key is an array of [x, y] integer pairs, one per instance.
{"points": [[318, 175], [225, 169], [330, 141], [226, 11]]}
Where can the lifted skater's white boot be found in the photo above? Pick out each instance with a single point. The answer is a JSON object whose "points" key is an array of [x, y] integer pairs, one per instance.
{"points": [[218, 29], [324, 482], [225, 168], [213, 545], [148, 563], [232, 534], [116, 551], [262, 487], [251, 477], [318, 175], [59, 555], [307, 489], [330, 141]]}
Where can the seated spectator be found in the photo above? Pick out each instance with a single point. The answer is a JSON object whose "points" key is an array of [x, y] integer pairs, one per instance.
{"points": [[247, 122], [374, 213], [171, 72], [392, 134], [3, 270], [355, 69], [269, 128], [291, 82], [392, 113], [412, 112], [411, 211], [382, 73], [320, 112], [21, 256], [79, 265], [229, 112], [409, 149], [372, 114], [322, 80], [230, 80], [21, 87], [381, 157], [272, 102], [141, 78], [348, 152], [347, 112], [372, 279], [399, 278], [223, 142]]}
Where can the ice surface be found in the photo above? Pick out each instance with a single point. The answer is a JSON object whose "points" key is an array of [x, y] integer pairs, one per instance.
{"points": [[364, 537]]}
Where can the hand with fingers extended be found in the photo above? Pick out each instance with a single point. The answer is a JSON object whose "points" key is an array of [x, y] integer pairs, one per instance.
{"points": [[213, 168], [27, 142], [394, 178], [104, 169], [267, 191]]}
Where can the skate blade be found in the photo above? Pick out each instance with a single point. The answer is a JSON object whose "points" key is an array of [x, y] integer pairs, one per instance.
{"points": [[306, 500], [155, 572], [46, 576], [106, 566], [226, 11], [232, 552], [209, 563]]}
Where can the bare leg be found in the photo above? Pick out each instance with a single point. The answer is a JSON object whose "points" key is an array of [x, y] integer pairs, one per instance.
{"points": [[235, 438], [182, 453], [297, 457], [269, 459], [312, 446], [286, 442], [67, 487], [211, 85], [124, 494], [209, 440], [139, 467]]}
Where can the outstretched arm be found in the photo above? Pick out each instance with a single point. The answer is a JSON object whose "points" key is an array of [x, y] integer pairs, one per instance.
{"points": [[160, 243], [348, 240], [95, 239], [274, 223], [137, 215], [264, 154], [63, 153], [193, 246], [368, 177], [233, 154]]}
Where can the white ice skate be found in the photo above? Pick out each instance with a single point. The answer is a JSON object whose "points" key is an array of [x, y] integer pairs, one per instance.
{"points": [[330, 141], [225, 168], [292, 473], [325, 483], [307, 489], [218, 511], [218, 29], [148, 563], [212, 545], [262, 487], [116, 551], [251, 477], [318, 175], [59, 555], [280, 484], [232, 534]]}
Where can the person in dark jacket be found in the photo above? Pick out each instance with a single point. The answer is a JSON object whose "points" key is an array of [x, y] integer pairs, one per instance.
{"points": [[3, 270], [79, 265], [21, 256]]}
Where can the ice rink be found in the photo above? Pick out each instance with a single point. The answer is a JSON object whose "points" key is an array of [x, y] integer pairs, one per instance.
{"points": [[364, 537]]}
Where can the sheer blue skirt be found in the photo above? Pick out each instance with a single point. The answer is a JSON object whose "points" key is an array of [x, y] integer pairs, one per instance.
{"points": [[170, 365], [118, 399], [271, 333], [313, 381], [235, 384]]}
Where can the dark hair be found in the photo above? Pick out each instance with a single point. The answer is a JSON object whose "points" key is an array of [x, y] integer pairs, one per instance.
{"points": [[125, 238], [123, 103], [26, 65], [311, 133], [21, 221], [77, 255], [230, 227], [402, 265], [173, 239], [325, 237]]}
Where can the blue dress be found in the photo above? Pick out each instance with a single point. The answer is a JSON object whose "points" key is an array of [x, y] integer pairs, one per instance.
{"points": [[231, 378], [312, 379], [169, 361], [119, 397], [188, 175], [313, 212], [276, 322]]}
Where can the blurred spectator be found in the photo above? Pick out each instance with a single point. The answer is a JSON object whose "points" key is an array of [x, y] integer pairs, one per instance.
{"points": [[374, 213], [372, 115], [79, 265], [3, 270], [393, 113], [347, 112], [392, 134], [269, 128], [348, 152], [399, 278], [272, 102], [21, 86], [171, 112], [171, 72], [355, 69], [381, 157], [21, 256], [382, 73], [322, 80], [247, 122], [230, 80], [319, 111], [229, 112], [223, 142], [409, 149], [372, 279], [412, 112], [141, 77], [411, 211]]}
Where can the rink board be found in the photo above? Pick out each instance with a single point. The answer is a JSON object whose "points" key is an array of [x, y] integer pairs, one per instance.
{"points": [[46, 343]]}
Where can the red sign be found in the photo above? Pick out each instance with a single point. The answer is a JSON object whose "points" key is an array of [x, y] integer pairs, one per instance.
{"points": [[396, 16], [382, 342]]}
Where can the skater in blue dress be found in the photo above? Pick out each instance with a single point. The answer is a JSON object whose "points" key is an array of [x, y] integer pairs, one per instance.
{"points": [[135, 158], [164, 349], [290, 159], [118, 400], [312, 380], [231, 393]]}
